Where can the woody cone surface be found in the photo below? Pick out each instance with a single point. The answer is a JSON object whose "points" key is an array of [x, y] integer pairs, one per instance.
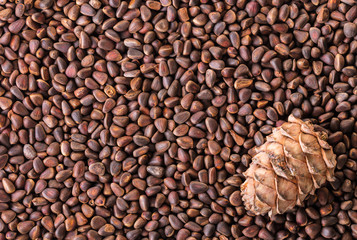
{"points": [[294, 161]]}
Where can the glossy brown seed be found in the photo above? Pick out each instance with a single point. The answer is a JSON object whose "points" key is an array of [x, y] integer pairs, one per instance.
{"points": [[8, 186], [175, 222], [350, 30], [214, 147], [242, 83], [97, 168], [198, 187], [5, 103], [7, 216], [155, 171], [282, 49], [106, 230], [25, 227], [50, 194], [251, 231]]}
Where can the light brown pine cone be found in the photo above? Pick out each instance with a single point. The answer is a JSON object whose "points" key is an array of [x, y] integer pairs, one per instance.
{"points": [[294, 162]]}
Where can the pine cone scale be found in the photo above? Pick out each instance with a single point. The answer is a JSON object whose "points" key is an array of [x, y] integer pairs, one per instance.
{"points": [[327, 155], [262, 193], [292, 149], [291, 130], [276, 155], [316, 163], [262, 159], [304, 180]]}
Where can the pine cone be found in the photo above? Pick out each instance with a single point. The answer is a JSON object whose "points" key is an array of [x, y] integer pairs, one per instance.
{"points": [[294, 161]]}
